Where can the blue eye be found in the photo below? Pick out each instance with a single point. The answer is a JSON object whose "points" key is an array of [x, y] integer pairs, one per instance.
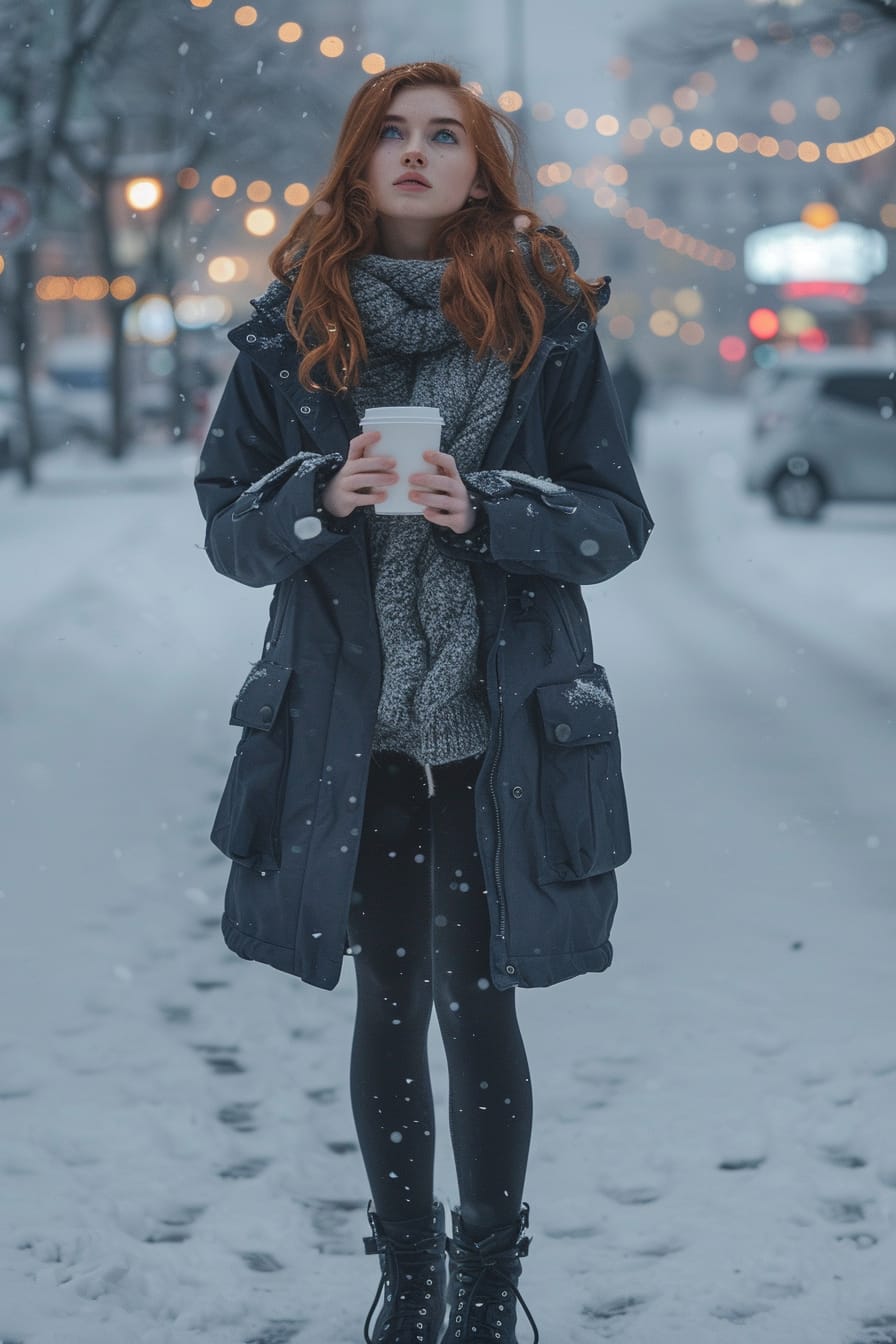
{"points": [[445, 131], [386, 129], [442, 131]]}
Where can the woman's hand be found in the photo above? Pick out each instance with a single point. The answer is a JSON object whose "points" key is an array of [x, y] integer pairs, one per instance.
{"points": [[360, 479], [444, 494]]}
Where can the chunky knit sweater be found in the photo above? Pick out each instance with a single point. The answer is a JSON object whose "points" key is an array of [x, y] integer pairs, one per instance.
{"points": [[433, 705]]}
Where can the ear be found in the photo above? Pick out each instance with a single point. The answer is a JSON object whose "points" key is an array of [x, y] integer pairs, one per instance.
{"points": [[478, 192]]}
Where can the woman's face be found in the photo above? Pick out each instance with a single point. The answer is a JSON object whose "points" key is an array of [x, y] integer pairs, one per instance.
{"points": [[423, 136]]}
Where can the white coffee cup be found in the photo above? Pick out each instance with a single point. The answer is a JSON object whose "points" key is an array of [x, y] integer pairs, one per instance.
{"points": [[407, 432]]}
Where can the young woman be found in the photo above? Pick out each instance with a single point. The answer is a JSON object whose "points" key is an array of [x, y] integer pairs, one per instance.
{"points": [[428, 777]]}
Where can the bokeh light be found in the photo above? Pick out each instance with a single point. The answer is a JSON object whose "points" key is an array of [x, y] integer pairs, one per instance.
{"points": [[296, 194], [691, 333], [373, 63], [187, 178], [510, 101], [732, 349], [621, 326], [224, 186], [245, 16], [888, 214], [782, 111], [332, 47], [576, 118], [259, 190], [143, 193], [260, 222], [744, 49], [663, 322], [828, 108], [289, 32]]}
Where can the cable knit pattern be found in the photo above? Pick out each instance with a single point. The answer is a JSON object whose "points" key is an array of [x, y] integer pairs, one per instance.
{"points": [[433, 705]]}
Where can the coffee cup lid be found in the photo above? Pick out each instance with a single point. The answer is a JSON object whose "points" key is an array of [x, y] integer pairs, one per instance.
{"points": [[427, 414]]}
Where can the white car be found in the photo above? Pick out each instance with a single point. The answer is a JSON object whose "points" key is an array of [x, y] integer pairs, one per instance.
{"points": [[824, 428]]}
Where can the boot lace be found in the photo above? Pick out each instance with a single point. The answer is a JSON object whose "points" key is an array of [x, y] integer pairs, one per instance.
{"points": [[413, 1271], [482, 1278]]}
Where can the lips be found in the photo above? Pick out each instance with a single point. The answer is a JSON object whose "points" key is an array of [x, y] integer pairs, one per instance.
{"points": [[411, 180]]}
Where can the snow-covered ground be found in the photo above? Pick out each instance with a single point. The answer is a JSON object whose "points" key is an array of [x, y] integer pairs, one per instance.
{"points": [[712, 1157]]}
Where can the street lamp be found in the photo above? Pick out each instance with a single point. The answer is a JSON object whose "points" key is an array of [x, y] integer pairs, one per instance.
{"points": [[143, 193]]}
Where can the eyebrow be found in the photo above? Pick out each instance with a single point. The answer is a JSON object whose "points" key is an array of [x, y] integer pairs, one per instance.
{"points": [[433, 121]]}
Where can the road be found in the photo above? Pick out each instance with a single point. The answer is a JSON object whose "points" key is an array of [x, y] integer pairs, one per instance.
{"points": [[711, 1154]]}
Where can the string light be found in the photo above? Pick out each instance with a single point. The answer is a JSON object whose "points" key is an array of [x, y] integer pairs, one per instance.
{"points": [[373, 63]]}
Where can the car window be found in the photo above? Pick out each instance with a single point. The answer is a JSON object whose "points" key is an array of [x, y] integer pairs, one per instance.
{"points": [[875, 392]]}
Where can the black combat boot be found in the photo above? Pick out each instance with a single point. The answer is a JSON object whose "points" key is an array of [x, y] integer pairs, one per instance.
{"points": [[412, 1261], [482, 1283]]}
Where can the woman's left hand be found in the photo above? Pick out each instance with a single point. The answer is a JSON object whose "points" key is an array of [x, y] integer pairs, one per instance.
{"points": [[446, 498]]}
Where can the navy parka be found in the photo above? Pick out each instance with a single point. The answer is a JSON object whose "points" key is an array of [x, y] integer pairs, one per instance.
{"points": [[560, 507]]}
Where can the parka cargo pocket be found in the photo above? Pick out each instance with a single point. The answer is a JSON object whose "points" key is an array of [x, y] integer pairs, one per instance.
{"points": [[581, 794], [247, 825]]}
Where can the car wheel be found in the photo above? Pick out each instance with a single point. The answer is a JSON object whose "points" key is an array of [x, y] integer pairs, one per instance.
{"points": [[798, 492]]}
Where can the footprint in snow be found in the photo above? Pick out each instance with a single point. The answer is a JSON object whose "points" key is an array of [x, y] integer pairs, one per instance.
{"points": [[741, 1163], [175, 1227], [275, 1332], [635, 1194], [656, 1250], [239, 1116], [221, 1058], [339, 1223], [738, 1311], [15, 1095], [262, 1262], [176, 1013], [203, 985], [245, 1170], [323, 1095], [879, 1330], [842, 1157], [612, 1308], [844, 1210], [570, 1233], [341, 1146]]}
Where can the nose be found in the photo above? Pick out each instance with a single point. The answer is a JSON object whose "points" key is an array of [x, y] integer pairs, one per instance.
{"points": [[413, 156]]}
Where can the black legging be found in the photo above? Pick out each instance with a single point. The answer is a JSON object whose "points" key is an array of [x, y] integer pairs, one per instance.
{"points": [[419, 930]]}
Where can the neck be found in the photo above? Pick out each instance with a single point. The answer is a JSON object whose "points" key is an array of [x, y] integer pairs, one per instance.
{"points": [[405, 240]]}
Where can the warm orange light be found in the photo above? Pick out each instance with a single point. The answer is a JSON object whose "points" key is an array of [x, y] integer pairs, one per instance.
{"points": [[289, 32], [224, 186], [782, 111], [763, 323], [819, 214], [187, 178], [606, 125], [604, 197], [222, 270], [260, 222], [663, 322], [143, 193], [748, 142], [123, 287], [671, 136], [245, 16], [821, 45], [744, 49], [660, 114], [91, 287], [200, 4], [701, 139], [259, 190], [621, 326], [616, 175], [332, 47], [296, 194], [888, 214], [373, 63], [787, 149], [640, 128], [53, 288], [654, 228], [808, 151], [636, 217], [688, 302], [685, 98], [691, 333], [732, 349], [576, 118], [768, 146], [703, 82], [726, 141], [2, 265], [511, 101]]}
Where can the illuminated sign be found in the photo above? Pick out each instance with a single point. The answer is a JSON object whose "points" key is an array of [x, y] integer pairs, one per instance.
{"points": [[788, 253]]}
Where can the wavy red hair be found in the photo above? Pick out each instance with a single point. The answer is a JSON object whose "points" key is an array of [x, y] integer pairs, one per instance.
{"points": [[487, 291]]}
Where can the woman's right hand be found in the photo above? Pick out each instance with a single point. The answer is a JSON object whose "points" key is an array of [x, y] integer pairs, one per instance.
{"points": [[360, 479]]}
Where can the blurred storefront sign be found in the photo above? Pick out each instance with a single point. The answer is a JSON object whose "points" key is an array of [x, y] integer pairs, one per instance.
{"points": [[824, 289], [791, 253]]}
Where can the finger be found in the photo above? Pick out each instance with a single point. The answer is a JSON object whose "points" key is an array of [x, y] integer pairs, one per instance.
{"points": [[358, 444]]}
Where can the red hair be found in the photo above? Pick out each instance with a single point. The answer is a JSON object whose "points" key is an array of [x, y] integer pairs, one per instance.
{"points": [[488, 292]]}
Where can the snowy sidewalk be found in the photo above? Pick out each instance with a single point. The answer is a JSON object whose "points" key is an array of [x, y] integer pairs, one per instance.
{"points": [[712, 1157]]}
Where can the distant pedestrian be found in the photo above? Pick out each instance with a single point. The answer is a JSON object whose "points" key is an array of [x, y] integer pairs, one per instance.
{"points": [[428, 777], [628, 381]]}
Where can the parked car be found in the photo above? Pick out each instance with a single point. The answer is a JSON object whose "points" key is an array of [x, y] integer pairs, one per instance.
{"points": [[824, 428], [60, 420]]}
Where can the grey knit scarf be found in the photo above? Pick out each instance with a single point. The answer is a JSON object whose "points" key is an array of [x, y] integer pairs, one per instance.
{"points": [[433, 706]]}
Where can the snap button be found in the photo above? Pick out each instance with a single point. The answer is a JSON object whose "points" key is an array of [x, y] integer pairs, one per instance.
{"points": [[511, 970], [583, 326], [517, 791], [284, 373], [266, 713], [562, 732], [250, 340], [306, 410]]}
